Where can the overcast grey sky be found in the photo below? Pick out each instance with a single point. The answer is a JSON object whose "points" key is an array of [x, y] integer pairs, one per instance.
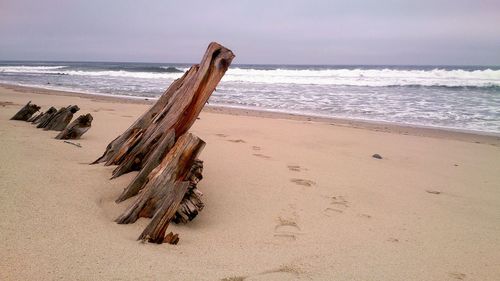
{"points": [[266, 32]]}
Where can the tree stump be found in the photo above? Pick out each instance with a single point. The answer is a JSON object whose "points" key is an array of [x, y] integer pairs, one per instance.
{"points": [[35, 117], [26, 112], [162, 182], [59, 120], [154, 160], [165, 154], [45, 116], [176, 110], [77, 128]]}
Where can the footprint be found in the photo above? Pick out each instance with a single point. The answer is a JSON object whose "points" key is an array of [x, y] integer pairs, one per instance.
{"points": [[331, 212], [221, 135], [457, 275], [296, 168], [284, 272], [262, 156], [339, 206], [4, 103], [289, 269], [237, 141], [286, 236], [234, 278], [256, 147], [366, 216], [303, 182], [339, 200], [286, 229]]}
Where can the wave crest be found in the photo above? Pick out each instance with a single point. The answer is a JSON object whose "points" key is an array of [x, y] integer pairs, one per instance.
{"points": [[368, 77], [337, 77]]}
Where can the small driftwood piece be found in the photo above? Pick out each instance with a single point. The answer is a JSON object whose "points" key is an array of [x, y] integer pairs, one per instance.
{"points": [[171, 238], [77, 128], [60, 119], [26, 112], [75, 144], [45, 116]]}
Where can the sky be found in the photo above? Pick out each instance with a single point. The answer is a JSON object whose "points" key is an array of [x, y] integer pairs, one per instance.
{"points": [[419, 32]]}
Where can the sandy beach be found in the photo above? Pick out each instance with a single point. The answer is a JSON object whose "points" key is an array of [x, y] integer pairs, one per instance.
{"points": [[287, 198]]}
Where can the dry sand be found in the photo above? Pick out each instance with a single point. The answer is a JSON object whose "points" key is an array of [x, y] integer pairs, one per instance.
{"points": [[285, 200]]}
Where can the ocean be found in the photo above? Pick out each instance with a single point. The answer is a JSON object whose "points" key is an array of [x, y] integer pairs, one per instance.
{"points": [[453, 97]]}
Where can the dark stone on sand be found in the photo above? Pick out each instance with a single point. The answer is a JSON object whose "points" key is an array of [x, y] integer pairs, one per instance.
{"points": [[377, 156]]}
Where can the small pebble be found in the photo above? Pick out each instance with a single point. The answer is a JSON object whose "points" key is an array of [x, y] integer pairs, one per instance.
{"points": [[377, 156]]}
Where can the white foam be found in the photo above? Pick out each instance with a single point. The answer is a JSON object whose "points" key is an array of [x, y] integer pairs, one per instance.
{"points": [[340, 77], [367, 77], [30, 69]]}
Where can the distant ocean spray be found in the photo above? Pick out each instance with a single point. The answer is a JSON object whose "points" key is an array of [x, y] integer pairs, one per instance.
{"points": [[466, 98]]}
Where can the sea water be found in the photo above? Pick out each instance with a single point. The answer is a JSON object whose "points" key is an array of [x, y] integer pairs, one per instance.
{"points": [[456, 97]]}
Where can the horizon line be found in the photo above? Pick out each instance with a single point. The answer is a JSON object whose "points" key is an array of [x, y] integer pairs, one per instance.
{"points": [[247, 64]]}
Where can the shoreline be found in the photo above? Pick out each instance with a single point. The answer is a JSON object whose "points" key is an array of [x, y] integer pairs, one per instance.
{"points": [[378, 126]]}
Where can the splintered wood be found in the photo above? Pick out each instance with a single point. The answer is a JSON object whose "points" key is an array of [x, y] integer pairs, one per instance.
{"points": [[159, 147], [56, 120]]}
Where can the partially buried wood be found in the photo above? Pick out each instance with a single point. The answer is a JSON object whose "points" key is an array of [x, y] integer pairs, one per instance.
{"points": [[171, 238], [191, 204], [156, 156], [45, 116], [35, 116], [26, 112], [176, 110], [155, 231], [166, 184], [60, 119], [77, 128]]}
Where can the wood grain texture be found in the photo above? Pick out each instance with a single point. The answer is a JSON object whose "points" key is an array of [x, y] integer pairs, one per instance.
{"points": [[77, 128]]}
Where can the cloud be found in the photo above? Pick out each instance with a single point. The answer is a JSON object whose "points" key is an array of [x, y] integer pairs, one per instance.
{"points": [[294, 32]]}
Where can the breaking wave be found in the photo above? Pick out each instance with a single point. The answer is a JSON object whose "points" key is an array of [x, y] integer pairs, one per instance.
{"points": [[339, 77]]}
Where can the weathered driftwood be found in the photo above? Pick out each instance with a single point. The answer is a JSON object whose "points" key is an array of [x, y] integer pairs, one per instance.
{"points": [[171, 238], [48, 118], [154, 160], [45, 116], [35, 117], [155, 230], [159, 147], [191, 204], [167, 182], [77, 128], [59, 120], [26, 112], [176, 110]]}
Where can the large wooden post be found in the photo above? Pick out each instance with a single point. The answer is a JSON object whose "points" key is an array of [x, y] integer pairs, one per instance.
{"points": [[158, 145]]}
